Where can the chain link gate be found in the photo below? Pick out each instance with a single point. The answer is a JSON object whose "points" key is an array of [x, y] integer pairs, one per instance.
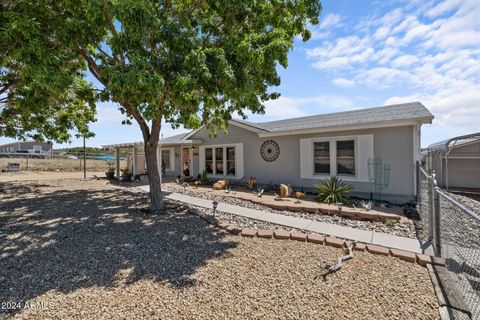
{"points": [[454, 230]]}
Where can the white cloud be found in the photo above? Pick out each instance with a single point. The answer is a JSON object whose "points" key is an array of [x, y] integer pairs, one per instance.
{"points": [[331, 21], [342, 82], [429, 52], [405, 61], [381, 33], [291, 107], [443, 7], [109, 114]]}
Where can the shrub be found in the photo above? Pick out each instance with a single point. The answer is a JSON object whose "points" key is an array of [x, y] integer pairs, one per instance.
{"points": [[126, 171], [332, 191], [204, 179]]}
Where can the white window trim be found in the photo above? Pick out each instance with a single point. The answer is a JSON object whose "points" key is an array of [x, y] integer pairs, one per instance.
{"points": [[238, 159], [172, 158], [363, 145]]}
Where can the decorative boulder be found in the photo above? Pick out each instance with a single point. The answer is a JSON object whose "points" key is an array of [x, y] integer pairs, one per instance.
{"points": [[219, 185], [285, 190]]}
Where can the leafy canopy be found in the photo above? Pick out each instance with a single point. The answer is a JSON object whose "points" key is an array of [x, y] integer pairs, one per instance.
{"points": [[43, 93], [189, 62]]}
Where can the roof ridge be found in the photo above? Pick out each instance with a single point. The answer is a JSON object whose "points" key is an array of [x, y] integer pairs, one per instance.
{"points": [[341, 112]]}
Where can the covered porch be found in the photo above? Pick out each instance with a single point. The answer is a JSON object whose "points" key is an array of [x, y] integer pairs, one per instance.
{"points": [[176, 157]]}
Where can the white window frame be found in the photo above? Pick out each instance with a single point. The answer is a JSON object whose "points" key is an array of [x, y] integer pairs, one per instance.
{"points": [[363, 149], [172, 158], [238, 160]]}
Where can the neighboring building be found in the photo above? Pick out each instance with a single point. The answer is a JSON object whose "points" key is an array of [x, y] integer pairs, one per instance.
{"points": [[26, 148], [303, 151], [456, 161]]}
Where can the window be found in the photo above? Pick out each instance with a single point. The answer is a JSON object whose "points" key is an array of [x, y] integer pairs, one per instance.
{"points": [[219, 161], [230, 161], [166, 160], [321, 154], [342, 156], [209, 160], [346, 157]]}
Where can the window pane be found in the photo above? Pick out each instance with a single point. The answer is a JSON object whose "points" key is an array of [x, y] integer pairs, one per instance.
{"points": [[209, 160], [166, 158], [209, 166], [208, 154], [346, 166], [231, 161], [219, 161], [346, 157], [321, 155], [345, 149], [230, 153]]}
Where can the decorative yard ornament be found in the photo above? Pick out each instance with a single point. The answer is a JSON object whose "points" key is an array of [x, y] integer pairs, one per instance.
{"points": [[269, 150], [379, 174]]}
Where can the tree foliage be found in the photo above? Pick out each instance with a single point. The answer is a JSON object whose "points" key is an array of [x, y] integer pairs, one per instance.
{"points": [[188, 62], [43, 93]]}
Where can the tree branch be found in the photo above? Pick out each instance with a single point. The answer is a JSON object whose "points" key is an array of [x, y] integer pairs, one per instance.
{"points": [[92, 65]]}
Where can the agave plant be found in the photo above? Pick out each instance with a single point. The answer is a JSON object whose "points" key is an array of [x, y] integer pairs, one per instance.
{"points": [[332, 191]]}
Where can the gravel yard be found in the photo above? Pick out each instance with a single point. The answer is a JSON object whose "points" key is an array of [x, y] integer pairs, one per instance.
{"points": [[86, 250], [404, 229]]}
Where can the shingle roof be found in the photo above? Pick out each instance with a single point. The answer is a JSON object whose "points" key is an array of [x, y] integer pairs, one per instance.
{"points": [[405, 111]]}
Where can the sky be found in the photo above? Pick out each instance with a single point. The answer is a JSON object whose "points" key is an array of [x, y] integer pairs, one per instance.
{"points": [[367, 54]]}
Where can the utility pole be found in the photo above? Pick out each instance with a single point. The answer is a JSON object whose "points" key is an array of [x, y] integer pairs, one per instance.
{"points": [[84, 158]]}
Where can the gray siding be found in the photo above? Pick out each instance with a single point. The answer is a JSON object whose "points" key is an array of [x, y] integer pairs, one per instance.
{"points": [[394, 145], [25, 145], [462, 173]]}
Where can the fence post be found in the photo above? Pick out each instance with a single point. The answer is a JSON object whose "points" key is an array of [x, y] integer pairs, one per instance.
{"points": [[436, 197], [430, 207], [419, 185]]}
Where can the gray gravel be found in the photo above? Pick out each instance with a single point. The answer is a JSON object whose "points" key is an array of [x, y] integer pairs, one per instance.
{"points": [[89, 252], [406, 229]]}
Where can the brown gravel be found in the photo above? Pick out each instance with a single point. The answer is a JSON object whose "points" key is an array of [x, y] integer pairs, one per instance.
{"points": [[87, 251]]}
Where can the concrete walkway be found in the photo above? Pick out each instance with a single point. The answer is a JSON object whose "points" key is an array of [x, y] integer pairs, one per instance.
{"points": [[383, 239]]}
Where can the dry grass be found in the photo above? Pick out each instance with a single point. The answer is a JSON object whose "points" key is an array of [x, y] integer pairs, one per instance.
{"points": [[58, 164]]}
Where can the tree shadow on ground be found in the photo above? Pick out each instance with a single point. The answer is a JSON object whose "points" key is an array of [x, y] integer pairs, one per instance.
{"points": [[70, 239]]}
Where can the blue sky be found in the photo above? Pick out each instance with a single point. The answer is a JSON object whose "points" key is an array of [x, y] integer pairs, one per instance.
{"points": [[365, 54]]}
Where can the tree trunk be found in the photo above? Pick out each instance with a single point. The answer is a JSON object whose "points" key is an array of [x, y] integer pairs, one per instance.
{"points": [[156, 197]]}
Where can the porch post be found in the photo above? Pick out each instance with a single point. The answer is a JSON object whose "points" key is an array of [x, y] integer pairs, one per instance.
{"points": [[117, 162], [134, 160]]}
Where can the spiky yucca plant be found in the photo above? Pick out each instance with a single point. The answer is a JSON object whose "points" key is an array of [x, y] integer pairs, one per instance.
{"points": [[332, 191]]}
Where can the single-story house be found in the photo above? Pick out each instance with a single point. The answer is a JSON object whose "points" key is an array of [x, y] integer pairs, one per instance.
{"points": [[307, 150], [455, 161]]}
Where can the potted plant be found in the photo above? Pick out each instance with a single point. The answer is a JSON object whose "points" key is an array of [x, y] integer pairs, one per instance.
{"points": [[110, 173], [126, 174]]}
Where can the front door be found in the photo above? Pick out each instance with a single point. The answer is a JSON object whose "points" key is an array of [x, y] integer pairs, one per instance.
{"points": [[186, 165]]}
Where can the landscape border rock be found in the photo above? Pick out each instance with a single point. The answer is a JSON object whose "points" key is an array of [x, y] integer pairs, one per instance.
{"points": [[406, 256]]}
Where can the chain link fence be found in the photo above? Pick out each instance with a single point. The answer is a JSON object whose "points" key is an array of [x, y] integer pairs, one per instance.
{"points": [[455, 232]]}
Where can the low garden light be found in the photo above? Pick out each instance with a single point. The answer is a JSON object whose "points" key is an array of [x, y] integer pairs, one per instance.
{"points": [[339, 206], [214, 204]]}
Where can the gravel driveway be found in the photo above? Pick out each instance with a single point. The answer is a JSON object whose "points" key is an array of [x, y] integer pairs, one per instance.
{"points": [[81, 249]]}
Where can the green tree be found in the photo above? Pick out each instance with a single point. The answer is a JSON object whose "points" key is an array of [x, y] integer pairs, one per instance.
{"points": [[43, 93], [188, 62]]}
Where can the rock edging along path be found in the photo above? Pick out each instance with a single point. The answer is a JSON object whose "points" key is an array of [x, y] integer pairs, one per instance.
{"points": [[364, 236]]}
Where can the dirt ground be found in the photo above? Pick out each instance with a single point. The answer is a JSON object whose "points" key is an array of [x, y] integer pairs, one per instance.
{"points": [[80, 249], [46, 175]]}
